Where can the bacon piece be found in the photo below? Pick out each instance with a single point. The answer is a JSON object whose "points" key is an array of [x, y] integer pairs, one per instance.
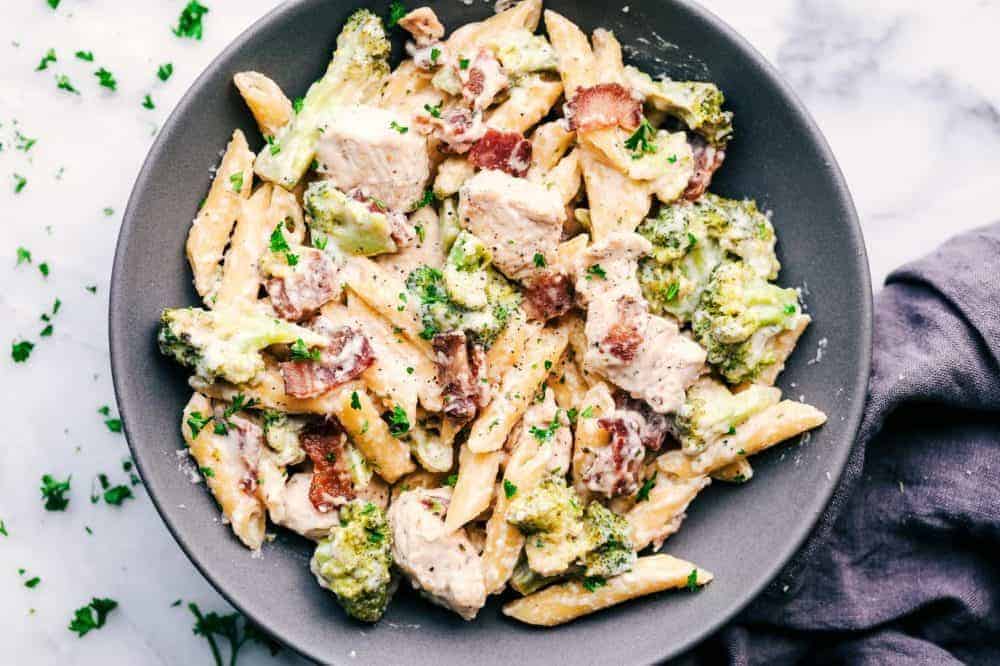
{"points": [[654, 428], [603, 105], [615, 468], [347, 355], [310, 285], [548, 294], [707, 160], [331, 483], [461, 366], [623, 337], [424, 25], [484, 80], [507, 151]]}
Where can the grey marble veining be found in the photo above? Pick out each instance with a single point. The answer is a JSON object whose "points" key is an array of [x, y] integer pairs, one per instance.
{"points": [[905, 90]]}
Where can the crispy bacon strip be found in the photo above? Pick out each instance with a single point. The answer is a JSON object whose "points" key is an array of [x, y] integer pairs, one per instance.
{"points": [[345, 358], [616, 467], [331, 483], [654, 427], [311, 285], [624, 338], [461, 365], [548, 295], [603, 105], [707, 160], [506, 151]]}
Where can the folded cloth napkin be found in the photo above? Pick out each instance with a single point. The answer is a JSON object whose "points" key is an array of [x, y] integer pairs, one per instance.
{"points": [[904, 566]]}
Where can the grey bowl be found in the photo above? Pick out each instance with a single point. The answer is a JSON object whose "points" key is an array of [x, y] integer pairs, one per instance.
{"points": [[744, 535]]}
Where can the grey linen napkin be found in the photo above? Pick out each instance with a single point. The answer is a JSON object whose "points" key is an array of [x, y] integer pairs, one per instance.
{"points": [[904, 566]]}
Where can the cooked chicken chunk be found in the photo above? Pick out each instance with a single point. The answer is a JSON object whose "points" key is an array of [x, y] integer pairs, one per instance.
{"points": [[514, 217], [444, 567], [643, 354], [374, 150]]}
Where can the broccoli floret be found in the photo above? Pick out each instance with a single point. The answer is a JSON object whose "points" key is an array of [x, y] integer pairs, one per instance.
{"points": [[282, 435], [440, 312], [226, 344], [710, 412], [521, 52], [690, 239], [525, 581], [611, 551], [356, 73], [465, 275], [354, 561], [350, 224], [551, 518], [743, 231], [738, 318], [697, 104]]}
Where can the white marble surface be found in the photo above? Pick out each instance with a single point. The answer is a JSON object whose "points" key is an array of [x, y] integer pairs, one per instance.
{"points": [[905, 90]]}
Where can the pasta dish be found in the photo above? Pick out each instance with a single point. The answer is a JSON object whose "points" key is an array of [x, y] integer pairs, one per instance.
{"points": [[478, 323]]}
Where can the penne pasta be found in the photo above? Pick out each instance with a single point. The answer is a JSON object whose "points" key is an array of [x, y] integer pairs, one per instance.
{"points": [[617, 203], [354, 409], [477, 473], [783, 348], [577, 64], [517, 390], [740, 471], [529, 101], [210, 230], [269, 106], [229, 479], [567, 601], [655, 518]]}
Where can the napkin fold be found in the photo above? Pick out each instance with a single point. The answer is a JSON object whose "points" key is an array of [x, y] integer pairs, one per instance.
{"points": [[904, 565]]}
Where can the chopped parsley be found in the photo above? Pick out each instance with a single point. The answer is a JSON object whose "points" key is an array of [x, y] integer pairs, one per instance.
{"points": [[463, 63], [113, 424], [20, 351], [731, 431], [165, 71], [236, 181], [234, 628], [19, 183], [591, 583], [147, 102], [189, 23], [63, 83], [435, 110], [207, 471], [109, 211], [278, 242], [297, 105], [572, 413], [397, 10], [23, 143], [196, 422], [597, 271], [106, 79], [509, 489], [647, 485], [273, 146], [790, 309], [425, 200], [539, 259], [301, 352], [84, 619], [355, 400], [545, 434], [86, 56], [642, 141], [49, 57], [32, 582], [43, 268], [399, 424], [672, 291], [451, 480], [3, 529], [118, 494], [692, 580], [402, 129], [54, 4], [54, 493], [587, 413], [319, 242], [672, 159], [23, 256], [435, 54]]}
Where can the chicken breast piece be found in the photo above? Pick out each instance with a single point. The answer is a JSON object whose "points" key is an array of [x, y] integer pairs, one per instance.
{"points": [[514, 217], [445, 567], [643, 354], [376, 151]]}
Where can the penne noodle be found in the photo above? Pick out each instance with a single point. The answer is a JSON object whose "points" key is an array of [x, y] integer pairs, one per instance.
{"points": [[577, 64], [389, 457], [210, 230], [268, 392], [229, 473], [588, 436], [549, 142], [738, 472], [477, 473], [652, 519], [517, 390], [270, 107], [784, 345], [775, 424], [565, 178], [617, 203], [509, 346], [608, 63], [529, 101], [469, 38], [564, 602], [451, 175]]}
